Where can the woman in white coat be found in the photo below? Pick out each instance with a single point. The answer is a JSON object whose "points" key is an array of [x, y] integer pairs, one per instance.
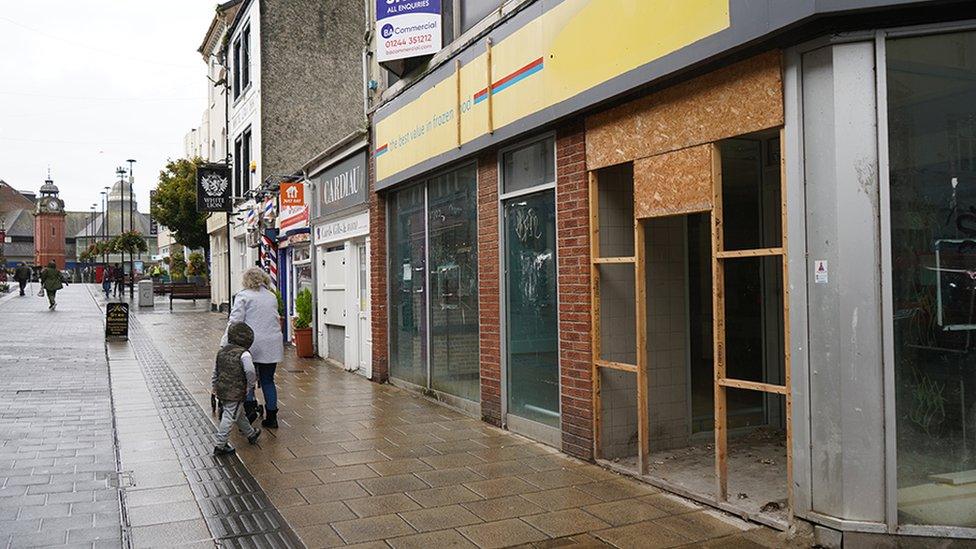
{"points": [[257, 306]]}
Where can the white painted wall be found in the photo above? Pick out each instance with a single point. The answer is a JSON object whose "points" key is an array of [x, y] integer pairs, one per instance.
{"points": [[245, 111]]}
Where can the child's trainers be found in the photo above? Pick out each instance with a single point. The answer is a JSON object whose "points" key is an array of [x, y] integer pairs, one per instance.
{"points": [[253, 439], [224, 450]]}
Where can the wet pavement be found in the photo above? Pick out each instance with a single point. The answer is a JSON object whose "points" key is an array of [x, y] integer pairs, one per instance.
{"points": [[353, 463], [57, 459]]}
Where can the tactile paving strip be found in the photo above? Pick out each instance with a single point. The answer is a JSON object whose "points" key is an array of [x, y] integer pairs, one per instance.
{"points": [[237, 511]]}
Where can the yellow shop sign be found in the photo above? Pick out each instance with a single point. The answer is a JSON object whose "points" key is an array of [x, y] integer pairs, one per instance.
{"points": [[567, 50]]}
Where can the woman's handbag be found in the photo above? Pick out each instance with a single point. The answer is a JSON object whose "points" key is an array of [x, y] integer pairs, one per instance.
{"points": [[40, 293]]}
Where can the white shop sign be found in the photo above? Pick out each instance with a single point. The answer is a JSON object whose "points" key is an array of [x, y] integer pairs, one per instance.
{"points": [[342, 229]]}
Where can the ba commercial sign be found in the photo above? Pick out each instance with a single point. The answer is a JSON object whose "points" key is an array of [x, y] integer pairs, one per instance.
{"points": [[407, 28], [213, 188]]}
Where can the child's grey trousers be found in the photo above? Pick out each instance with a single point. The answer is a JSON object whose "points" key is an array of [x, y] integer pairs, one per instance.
{"points": [[233, 413]]}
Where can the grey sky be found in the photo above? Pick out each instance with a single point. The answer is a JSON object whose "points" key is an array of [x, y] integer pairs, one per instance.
{"points": [[87, 84]]}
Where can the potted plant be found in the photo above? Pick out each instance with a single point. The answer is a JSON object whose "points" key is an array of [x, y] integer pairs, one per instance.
{"points": [[196, 269], [129, 242], [302, 322]]}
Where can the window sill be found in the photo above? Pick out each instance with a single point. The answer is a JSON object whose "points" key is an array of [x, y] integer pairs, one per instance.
{"points": [[242, 95]]}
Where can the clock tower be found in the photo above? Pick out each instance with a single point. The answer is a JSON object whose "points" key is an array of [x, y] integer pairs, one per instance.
{"points": [[49, 240]]}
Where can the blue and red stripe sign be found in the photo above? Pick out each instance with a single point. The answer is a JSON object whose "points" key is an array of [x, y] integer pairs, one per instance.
{"points": [[497, 87], [510, 80]]}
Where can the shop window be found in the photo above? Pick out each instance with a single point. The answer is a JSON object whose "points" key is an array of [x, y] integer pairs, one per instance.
{"points": [[460, 16], [452, 224], [433, 239], [751, 196], [447, 20], [529, 166], [474, 11], [932, 163], [408, 286], [532, 308]]}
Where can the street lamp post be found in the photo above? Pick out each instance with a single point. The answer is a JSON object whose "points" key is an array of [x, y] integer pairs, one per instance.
{"points": [[120, 171], [132, 218], [105, 224], [91, 238]]}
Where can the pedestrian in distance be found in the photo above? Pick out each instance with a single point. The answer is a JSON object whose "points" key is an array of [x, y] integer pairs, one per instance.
{"points": [[22, 275], [233, 378], [107, 282], [52, 280], [257, 306], [119, 278]]}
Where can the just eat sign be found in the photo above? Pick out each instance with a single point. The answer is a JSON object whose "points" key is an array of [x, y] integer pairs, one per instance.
{"points": [[291, 195]]}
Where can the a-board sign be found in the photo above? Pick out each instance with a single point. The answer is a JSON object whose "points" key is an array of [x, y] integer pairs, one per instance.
{"points": [[117, 320]]}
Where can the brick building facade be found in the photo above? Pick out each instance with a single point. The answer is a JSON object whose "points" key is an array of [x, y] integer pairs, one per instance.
{"points": [[573, 357], [693, 194]]}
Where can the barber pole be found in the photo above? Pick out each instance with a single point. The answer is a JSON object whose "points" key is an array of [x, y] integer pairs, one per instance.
{"points": [[268, 210], [268, 256]]}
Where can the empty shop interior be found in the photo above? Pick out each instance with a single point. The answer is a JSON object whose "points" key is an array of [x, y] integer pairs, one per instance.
{"points": [[679, 332]]}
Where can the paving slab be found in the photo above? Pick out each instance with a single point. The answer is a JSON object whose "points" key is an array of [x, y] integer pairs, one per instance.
{"points": [[358, 464], [504, 533], [56, 422], [372, 528], [439, 518], [447, 539]]}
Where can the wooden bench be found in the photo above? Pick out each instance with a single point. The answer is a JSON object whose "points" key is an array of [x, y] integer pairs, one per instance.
{"points": [[162, 288], [188, 291]]}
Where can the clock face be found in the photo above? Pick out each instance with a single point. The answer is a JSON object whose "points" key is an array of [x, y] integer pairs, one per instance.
{"points": [[52, 203]]}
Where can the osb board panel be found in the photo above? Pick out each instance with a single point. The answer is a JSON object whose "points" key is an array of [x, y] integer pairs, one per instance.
{"points": [[741, 98], [673, 183]]}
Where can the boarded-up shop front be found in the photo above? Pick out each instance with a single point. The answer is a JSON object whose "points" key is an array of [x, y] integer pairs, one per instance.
{"points": [[690, 339]]}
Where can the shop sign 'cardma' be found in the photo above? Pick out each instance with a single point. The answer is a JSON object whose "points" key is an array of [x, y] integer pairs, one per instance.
{"points": [[213, 188], [342, 186], [407, 28]]}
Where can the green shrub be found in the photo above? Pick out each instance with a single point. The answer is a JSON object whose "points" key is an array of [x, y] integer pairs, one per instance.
{"points": [[177, 265], [303, 308], [128, 242], [197, 265], [281, 303]]}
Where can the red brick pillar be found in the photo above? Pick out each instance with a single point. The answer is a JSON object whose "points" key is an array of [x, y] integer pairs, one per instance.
{"points": [[378, 282], [573, 253], [489, 296]]}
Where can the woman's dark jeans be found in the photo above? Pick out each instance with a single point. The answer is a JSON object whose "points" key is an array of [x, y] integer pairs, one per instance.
{"points": [[266, 380]]}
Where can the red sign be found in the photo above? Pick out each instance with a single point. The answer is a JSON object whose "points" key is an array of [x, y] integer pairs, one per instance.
{"points": [[292, 195]]}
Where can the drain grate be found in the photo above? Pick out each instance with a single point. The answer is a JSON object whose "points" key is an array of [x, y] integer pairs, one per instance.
{"points": [[237, 511]]}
